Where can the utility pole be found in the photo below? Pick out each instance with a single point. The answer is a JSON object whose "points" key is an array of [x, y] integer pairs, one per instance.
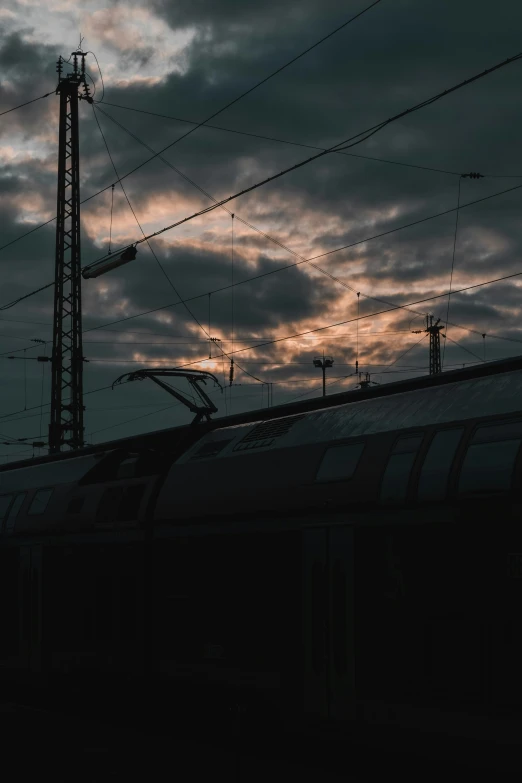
{"points": [[323, 363], [434, 330], [66, 424]]}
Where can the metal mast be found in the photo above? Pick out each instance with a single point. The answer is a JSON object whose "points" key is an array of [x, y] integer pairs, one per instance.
{"points": [[434, 330], [66, 424]]}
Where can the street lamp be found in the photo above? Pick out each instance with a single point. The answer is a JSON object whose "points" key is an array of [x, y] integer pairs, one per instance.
{"points": [[323, 362], [109, 262]]}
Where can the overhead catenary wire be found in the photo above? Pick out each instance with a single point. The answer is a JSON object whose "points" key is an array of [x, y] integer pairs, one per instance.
{"points": [[47, 404], [351, 141], [309, 260], [21, 105], [370, 131], [272, 239], [293, 143], [290, 266], [110, 227], [320, 255], [463, 347], [368, 315], [452, 266], [259, 84], [307, 146], [162, 268]]}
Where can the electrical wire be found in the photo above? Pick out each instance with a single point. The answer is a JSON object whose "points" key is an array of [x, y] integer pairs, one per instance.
{"points": [[387, 366], [452, 266], [368, 315], [21, 105], [246, 223], [463, 347], [143, 416], [110, 228], [321, 255], [366, 133], [293, 143], [343, 145], [258, 84], [100, 72], [46, 404], [181, 301]]}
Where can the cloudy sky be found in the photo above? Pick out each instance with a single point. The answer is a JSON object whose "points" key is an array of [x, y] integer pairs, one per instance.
{"points": [[186, 60]]}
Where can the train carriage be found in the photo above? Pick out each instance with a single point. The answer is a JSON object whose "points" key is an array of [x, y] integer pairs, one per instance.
{"points": [[354, 561]]}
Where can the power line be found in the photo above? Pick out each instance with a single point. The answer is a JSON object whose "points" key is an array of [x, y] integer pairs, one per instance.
{"points": [[332, 149], [21, 105], [215, 114], [452, 264], [375, 128], [189, 311], [369, 315], [135, 418], [346, 144], [464, 348], [46, 404], [291, 143], [246, 223], [291, 266], [257, 85], [322, 255], [306, 146]]}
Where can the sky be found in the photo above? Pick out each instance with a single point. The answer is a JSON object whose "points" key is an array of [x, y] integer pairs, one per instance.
{"points": [[187, 60]]}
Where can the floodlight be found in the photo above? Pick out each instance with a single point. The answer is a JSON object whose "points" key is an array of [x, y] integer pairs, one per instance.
{"points": [[110, 262]]}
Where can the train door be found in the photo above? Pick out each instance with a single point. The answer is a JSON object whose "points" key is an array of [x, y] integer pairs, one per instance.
{"points": [[30, 603], [328, 624]]}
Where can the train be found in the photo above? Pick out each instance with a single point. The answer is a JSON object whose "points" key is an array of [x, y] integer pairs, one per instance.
{"points": [[350, 561]]}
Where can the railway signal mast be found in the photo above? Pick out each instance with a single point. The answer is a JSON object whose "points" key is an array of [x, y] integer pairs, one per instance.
{"points": [[66, 424]]}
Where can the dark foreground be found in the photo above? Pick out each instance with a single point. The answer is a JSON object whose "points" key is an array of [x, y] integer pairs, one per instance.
{"points": [[47, 741]]}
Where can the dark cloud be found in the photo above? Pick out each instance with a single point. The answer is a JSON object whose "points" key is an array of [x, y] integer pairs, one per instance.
{"points": [[396, 55]]}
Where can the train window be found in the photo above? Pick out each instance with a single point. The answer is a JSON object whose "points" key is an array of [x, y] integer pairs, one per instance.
{"points": [[40, 501], [407, 445], [433, 481], [397, 474], [496, 432], [127, 468], [13, 512], [488, 467], [339, 462]]}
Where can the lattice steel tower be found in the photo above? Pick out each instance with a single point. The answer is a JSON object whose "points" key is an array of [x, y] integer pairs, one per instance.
{"points": [[66, 424], [434, 330]]}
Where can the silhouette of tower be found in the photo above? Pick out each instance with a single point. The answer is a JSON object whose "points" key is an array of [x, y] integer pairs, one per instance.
{"points": [[434, 330], [66, 422]]}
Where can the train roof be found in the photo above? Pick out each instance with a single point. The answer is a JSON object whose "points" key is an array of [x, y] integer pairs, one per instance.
{"points": [[498, 392]]}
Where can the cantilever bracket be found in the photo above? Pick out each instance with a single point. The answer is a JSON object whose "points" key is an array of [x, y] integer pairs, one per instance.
{"points": [[194, 377]]}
